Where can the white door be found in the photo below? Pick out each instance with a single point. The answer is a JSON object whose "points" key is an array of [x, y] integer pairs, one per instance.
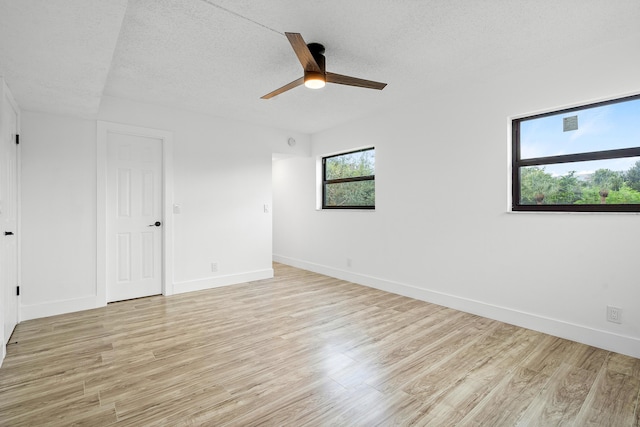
{"points": [[8, 219], [134, 216]]}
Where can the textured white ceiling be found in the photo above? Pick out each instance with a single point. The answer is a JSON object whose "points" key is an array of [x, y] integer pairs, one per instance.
{"points": [[56, 54], [220, 56]]}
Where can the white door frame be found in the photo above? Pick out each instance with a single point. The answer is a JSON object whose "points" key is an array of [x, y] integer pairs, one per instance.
{"points": [[104, 128], [5, 93]]}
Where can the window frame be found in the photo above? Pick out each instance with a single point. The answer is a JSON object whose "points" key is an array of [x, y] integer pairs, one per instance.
{"points": [[325, 181], [517, 162]]}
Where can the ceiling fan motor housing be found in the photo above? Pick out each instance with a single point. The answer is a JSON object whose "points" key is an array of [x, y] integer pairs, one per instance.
{"points": [[317, 50]]}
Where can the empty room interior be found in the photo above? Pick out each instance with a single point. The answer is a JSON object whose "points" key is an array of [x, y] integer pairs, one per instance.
{"points": [[329, 213]]}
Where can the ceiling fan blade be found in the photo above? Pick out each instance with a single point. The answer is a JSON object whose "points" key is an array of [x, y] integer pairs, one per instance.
{"points": [[354, 81], [302, 51], [284, 88]]}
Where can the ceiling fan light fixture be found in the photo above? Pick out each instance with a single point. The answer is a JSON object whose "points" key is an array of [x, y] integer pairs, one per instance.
{"points": [[314, 80], [311, 57]]}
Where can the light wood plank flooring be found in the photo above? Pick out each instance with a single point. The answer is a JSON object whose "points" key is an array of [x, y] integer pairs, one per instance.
{"points": [[304, 349]]}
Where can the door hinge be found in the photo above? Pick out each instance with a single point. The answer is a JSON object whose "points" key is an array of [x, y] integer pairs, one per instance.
{"points": [[18, 290], [17, 139]]}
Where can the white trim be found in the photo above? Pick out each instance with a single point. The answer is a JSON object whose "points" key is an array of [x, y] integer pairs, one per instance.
{"points": [[5, 93], [319, 183], [55, 308], [103, 128], [598, 338], [219, 281]]}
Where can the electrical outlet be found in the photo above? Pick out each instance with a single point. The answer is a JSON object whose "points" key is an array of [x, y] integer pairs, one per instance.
{"points": [[214, 267], [614, 314], [348, 262]]}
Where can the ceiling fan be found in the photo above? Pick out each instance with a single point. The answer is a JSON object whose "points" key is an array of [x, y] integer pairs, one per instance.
{"points": [[311, 56]]}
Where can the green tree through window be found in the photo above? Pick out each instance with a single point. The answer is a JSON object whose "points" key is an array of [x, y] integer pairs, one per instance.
{"points": [[590, 165], [604, 186], [349, 180]]}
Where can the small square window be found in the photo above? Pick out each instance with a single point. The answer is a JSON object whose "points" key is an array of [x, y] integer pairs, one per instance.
{"points": [[348, 180]]}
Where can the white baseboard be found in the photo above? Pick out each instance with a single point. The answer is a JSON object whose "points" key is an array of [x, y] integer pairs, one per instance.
{"points": [[218, 281], [623, 344], [54, 308], [35, 311]]}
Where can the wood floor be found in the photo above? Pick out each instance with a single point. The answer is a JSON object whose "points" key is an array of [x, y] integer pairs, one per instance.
{"points": [[304, 349]]}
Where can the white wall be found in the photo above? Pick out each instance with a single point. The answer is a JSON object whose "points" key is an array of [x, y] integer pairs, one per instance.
{"points": [[58, 184], [222, 180], [441, 231]]}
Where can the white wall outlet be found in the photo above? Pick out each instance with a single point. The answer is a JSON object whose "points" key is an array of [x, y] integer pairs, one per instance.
{"points": [[267, 208], [348, 262], [214, 267], [614, 314]]}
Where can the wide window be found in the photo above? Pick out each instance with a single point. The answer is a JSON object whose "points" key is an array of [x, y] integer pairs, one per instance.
{"points": [[348, 180], [580, 159]]}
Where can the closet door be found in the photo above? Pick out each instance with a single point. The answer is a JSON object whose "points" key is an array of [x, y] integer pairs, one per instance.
{"points": [[8, 212]]}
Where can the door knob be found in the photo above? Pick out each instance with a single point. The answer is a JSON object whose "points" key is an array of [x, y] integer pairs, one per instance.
{"points": [[8, 233], [155, 224]]}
